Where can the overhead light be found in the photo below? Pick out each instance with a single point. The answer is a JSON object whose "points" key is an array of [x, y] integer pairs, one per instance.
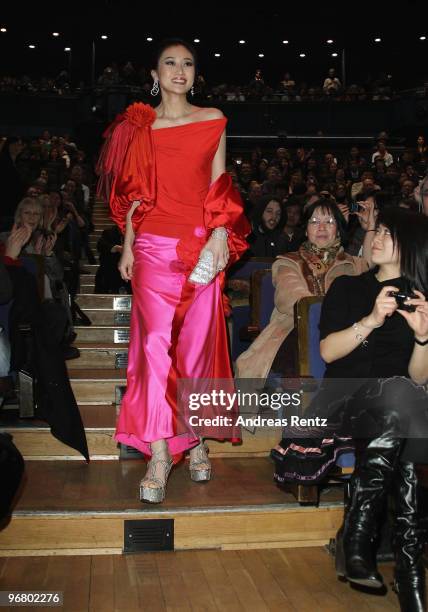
{"points": [[196, 40], [261, 54], [334, 55], [377, 39], [420, 37], [216, 54], [104, 37], [149, 39], [67, 49], [329, 42], [302, 54], [55, 34], [285, 42], [242, 42], [3, 30], [31, 46]]}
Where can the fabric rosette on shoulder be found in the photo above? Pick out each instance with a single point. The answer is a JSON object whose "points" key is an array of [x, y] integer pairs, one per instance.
{"points": [[126, 165]]}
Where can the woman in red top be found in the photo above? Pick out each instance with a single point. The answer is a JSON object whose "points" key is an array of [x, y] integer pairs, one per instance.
{"points": [[171, 195]]}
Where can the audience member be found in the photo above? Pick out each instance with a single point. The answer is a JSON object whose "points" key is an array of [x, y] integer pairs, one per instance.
{"points": [[267, 239]]}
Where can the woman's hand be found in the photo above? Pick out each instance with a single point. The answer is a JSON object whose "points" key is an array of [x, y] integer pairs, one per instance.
{"points": [[417, 320], [63, 223], [49, 244], [18, 237], [218, 247], [384, 306], [126, 264], [49, 218], [344, 209], [39, 245], [368, 214]]}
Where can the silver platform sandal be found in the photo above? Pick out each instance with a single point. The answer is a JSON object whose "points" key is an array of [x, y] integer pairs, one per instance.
{"points": [[200, 465], [162, 467]]}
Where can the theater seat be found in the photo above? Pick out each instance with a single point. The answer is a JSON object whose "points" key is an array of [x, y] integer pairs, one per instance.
{"points": [[311, 365], [241, 308]]}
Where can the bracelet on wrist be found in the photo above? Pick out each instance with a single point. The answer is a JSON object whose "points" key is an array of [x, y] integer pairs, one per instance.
{"points": [[358, 335], [421, 342], [219, 233]]}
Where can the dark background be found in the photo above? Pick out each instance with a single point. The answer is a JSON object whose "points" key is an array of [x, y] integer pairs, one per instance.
{"points": [[351, 25]]}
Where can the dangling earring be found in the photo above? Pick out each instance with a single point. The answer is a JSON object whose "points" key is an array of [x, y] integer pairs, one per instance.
{"points": [[155, 88], [192, 91]]}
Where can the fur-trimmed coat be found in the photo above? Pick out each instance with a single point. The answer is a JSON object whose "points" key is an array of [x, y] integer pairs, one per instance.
{"points": [[293, 280]]}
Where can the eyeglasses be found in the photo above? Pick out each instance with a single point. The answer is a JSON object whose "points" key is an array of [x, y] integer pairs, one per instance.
{"points": [[314, 221]]}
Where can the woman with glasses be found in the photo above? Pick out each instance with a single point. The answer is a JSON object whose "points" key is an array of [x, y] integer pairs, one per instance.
{"points": [[307, 272]]}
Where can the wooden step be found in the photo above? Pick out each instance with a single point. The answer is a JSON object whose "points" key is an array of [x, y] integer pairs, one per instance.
{"points": [[84, 262], [117, 334], [92, 269], [107, 317], [96, 386], [101, 223], [34, 440], [38, 443], [68, 506], [104, 301], [87, 278], [87, 287], [98, 355]]}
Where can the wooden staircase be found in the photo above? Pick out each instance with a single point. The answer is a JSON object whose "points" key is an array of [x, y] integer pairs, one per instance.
{"points": [[68, 507]]}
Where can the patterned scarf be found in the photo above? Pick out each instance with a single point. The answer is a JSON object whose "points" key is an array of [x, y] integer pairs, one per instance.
{"points": [[317, 261]]}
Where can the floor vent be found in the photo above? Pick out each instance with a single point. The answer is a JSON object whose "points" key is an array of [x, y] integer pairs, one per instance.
{"points": [[129, 452], [148, 535], [121, 359]]}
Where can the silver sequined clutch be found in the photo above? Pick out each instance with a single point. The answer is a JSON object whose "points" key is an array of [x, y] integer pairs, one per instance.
{"points": [[203, 272]]}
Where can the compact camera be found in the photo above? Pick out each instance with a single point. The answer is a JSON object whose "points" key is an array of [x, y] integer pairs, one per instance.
{"points": [[401, 297]]}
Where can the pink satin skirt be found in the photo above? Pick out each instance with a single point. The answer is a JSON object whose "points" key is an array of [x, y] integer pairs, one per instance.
{"points": [[157, 351]]}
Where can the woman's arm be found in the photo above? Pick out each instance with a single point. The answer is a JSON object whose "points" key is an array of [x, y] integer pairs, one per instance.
{"points": [[217, 244], [418, 365], [367, 219], [341, 343], [418, 322], [218, 166], [126, 262]]}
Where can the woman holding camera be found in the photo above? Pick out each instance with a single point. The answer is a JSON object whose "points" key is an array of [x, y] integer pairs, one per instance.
{"points": [[374, 332]]}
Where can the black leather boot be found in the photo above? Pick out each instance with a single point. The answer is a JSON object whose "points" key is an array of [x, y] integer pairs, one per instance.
{"points": [[408, 542], [355, 540]]}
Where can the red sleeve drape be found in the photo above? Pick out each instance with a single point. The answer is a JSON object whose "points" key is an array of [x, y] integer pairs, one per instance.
{"points": [[126, 165]]}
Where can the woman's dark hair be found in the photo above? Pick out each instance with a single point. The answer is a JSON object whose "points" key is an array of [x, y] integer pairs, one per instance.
{"points": [[330, 207], [174, 42], [409, 233], [260, 209]]}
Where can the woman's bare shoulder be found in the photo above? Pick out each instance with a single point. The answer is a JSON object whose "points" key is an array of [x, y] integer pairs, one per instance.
{"points": [[210, 113]]}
